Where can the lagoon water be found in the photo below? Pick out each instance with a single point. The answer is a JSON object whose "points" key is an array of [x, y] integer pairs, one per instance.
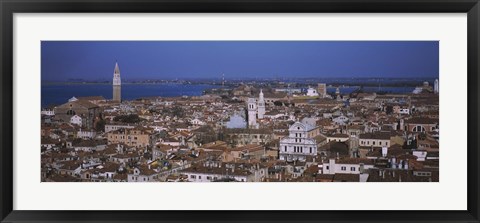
{"points": [[56, 94]]}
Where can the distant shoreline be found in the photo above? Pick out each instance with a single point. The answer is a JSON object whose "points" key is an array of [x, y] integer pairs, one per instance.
{"points": [[99, 83], [302, 85]]}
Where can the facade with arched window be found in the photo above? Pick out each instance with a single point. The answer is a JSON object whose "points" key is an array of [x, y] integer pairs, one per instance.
{"points": [[86, 110], [299, 144], [421, 125]]}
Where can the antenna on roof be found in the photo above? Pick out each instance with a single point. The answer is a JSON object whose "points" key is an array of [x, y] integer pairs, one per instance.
{"points": [[223, 80]]}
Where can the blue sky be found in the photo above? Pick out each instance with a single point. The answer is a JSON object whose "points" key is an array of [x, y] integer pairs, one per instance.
{"points": [[95, 60]]}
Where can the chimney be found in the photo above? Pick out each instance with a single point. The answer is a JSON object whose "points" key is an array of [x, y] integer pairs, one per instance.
{"points": [[384, 151], [331, 168]]}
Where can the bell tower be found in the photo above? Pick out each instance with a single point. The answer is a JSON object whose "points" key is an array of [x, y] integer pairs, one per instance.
{"points": [[117, 84], [261, 105], [252, 113]]}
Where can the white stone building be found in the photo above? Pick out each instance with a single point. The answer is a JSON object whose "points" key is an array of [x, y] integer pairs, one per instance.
{"points": [[322, 90], [341, 120], [299, 143], [255, 110], [312, 92], [49, 112], [76, 120], [142, 174], [252, 113], [236, 122], [346, 166], [110, 127], [86, 134], [261, 105]]}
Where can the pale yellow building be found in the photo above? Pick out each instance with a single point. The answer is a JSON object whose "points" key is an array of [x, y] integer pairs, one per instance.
{"points": [[137, 137]]}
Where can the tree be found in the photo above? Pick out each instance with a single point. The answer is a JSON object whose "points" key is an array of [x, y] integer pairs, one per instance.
{"points": [[100, 125], [132, 118], [178, 111], [389, 109], [205, 134], [163, 134], [174, 111], [411, 145], [422, 136], [278, 103]]}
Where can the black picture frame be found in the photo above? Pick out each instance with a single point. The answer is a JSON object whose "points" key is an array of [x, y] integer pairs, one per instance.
{"points": [[9, 7]]}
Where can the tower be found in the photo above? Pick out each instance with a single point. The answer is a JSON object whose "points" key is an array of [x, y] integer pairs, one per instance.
{"points": [[252, 112], [223, 80], [337, 92], [322, 90], [289, 94], [117, 84], [261, 105], [435, 86]]}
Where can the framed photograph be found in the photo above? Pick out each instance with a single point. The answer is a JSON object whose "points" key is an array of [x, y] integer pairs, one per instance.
{"points": [[245, 111]]}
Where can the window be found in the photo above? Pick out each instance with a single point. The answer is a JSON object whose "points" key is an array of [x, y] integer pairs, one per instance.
{"points": [[352, 168], [373, 143], [328, 167], [192, 176], [199, 177], [343, 168], [310, 149], [419, 128], [208, 178]]}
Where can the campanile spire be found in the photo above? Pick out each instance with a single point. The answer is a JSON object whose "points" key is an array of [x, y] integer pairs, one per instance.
{"points": [[117, 84]]}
